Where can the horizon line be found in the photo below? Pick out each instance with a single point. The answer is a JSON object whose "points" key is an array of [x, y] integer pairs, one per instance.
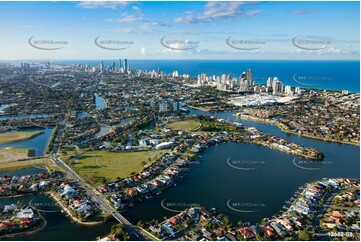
{"points": [[106, 59]]}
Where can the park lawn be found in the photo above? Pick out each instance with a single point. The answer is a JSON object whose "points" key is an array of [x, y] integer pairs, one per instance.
{"points": [[99, 166], [67, 153], [10, 137], [186, 125]]}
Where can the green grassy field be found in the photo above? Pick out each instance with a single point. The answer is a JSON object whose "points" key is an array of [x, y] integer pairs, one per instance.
{"points": [[186, 125], [10, 137], [97, 167]]}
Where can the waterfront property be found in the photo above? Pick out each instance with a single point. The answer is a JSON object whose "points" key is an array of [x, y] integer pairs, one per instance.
{"points": [[138, 184], [25, 219], [199, 224]]}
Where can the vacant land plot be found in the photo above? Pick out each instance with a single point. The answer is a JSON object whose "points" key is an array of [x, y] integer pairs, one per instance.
{"points": [[11, 137], [12, 154], [98, 167], [18, 165], [186, 125]]}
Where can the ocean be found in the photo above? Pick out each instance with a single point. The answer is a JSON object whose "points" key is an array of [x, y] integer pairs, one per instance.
{"points": [[330, 75]]}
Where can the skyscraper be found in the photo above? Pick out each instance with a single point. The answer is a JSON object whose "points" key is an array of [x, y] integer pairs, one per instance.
{"points": [[223, 78], [269, 82], [288, 90], [125, 65], [249, 76], [102, 66], [120, 63], [277, 86]]}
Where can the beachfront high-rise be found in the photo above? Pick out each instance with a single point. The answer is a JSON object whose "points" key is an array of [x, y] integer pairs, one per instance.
{"points": [[125, 65], [277, 86], [269, 82], [249, 75]]}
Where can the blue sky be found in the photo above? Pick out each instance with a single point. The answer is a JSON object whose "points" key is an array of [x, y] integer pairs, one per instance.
{"points": [[190, 30]]}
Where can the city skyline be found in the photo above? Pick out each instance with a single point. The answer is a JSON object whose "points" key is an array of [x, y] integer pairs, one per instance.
{"points": [[180, 120], [180, 30]]}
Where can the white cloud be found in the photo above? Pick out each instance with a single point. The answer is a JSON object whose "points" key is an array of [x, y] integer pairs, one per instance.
{"points": [[143, 50], [217, 11], [122, 30], [102, 4], [130, 18], [300, 11], [28, 26], [135, 17], [135, 8]]}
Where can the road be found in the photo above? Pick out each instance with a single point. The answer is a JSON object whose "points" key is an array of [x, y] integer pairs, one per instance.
{"points": [[97, 197]]}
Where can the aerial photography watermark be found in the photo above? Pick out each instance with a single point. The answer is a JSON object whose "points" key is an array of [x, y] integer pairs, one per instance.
{"points": [[244, 44], [245, 207], [310, 42], [244, 165], [177, 207], [179, 44], [41, 163], [44, 207], [114, 164], [310, 80], [46, 44], [311, 165], [113, 44]]}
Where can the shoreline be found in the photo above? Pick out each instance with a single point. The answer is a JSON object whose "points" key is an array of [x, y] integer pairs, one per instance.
{"points": [[26, 232], [22, 139], [52, 139], [67, 211], [18, 195], [287, 131], [28, 165], [211, 109]]}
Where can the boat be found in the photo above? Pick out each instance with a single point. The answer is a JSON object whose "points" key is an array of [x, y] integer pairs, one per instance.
{"points": [[159, 192], [148, 197], [175, 184]]}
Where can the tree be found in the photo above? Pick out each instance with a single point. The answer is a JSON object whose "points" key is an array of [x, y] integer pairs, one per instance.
{"points": [[304, 235], [140, 224]]}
